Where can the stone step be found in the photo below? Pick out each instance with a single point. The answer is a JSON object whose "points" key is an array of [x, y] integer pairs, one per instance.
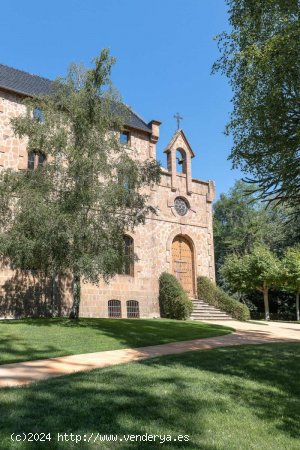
{"points": [[210, 315], [205, 308], [204, 311]]}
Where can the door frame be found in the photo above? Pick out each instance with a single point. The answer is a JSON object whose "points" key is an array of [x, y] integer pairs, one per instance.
{"points": [[193, 251]]}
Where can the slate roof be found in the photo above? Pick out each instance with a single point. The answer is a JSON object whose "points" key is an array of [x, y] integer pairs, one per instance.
{"points": [[30, 85]]}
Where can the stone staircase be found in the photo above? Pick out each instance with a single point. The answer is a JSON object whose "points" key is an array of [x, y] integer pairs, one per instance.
{"points": [[204, 311]]}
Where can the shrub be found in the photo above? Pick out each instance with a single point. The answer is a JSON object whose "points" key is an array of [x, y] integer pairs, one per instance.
{"points": [[174, 302], [215, 296]]}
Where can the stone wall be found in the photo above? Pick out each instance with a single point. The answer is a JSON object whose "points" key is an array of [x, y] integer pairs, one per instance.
{"points": [[152, 248], [26, 294], [13, 152]]}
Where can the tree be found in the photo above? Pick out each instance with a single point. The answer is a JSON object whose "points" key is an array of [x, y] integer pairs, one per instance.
{"points": [[260, 56], [255, 271], [291, 273], [241, 221], [69, 214]]}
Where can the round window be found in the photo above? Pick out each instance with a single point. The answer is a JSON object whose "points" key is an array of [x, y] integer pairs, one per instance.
{"points": [[181, 206]]}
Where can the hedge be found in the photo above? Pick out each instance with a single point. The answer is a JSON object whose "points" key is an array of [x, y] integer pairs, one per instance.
{"points": [[213, 295], [173, 300]]}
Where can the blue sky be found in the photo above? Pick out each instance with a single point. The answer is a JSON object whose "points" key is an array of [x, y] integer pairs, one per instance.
{"points": [[164, 50]]}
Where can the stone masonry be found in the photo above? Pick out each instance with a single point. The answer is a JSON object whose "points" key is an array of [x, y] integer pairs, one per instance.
{"points": [[152, 241]]}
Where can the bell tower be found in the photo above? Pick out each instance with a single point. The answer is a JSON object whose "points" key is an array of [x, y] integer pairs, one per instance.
{"points": [[179, 155]]}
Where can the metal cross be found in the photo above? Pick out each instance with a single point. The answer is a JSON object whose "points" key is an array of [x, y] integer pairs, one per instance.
{"points": [[178, 117]]}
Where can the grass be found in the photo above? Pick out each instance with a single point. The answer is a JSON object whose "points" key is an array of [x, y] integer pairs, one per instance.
{"points": [[230, 398], [30, 339]]}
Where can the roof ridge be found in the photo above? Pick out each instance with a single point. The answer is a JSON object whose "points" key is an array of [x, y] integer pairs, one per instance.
{"points": [[136, 114], [27, 84], [26, 73]]}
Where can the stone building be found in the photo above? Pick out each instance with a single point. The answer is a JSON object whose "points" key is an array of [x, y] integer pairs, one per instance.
{"points": [[176, 238]]}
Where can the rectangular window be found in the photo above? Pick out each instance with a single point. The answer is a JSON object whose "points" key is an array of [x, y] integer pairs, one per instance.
{"points": [[31, 158], [35, 160], [38, 115], [127, 257], [41, 159], [124, 138]]}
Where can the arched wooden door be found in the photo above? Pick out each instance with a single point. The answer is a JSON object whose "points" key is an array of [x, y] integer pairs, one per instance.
{"points": [[183, 263]]}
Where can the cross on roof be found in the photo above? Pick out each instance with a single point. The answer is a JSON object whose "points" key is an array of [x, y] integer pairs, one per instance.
{"points": [[178, 118]]}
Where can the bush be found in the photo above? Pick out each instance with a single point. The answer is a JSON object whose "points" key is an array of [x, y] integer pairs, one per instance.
{"points": [[215, 296], [174, 302]]}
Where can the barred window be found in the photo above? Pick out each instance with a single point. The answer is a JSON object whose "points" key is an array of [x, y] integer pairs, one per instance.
{"points": [[114, 308], [133, 309]]}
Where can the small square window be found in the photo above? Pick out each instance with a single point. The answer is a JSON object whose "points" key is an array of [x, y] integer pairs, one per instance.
{"points": [[124, 138]]}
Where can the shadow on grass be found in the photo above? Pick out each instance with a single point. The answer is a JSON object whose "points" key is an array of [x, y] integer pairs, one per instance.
{"points": [[274, 368], [108, 405], [28, 339], [12, 350], [182, 394]]}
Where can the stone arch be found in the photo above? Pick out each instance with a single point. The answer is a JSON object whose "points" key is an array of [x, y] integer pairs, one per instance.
{"points": [[181, 230]]}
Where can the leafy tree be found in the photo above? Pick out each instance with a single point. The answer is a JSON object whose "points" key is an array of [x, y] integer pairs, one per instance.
{"points": [[255, 271], [291, 273], [260, 56], [242, 221], [69, 215]]}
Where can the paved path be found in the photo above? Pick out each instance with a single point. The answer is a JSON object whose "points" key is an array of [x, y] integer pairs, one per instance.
{"points": [[246, 333]]}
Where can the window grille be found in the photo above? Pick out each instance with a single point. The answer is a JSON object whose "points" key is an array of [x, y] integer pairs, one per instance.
{"points": [[133, 309], [114, 308]]}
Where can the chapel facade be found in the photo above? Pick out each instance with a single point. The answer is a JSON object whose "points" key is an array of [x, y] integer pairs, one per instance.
{"points": [[176, 238]]}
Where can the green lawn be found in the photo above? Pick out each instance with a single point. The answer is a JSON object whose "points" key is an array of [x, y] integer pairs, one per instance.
{"points": [[233, 398], [29, 339]]}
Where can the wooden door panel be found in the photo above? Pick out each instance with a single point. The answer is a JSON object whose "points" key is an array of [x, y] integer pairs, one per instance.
{"points": [[182, 263]]}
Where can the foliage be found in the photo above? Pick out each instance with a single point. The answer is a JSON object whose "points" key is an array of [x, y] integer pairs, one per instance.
{"points": [[282, 305], [174, 302], [70, 214], [291, 269], [215, 296], [241, 221], [291, 273], [260, 56], [258, 270]]}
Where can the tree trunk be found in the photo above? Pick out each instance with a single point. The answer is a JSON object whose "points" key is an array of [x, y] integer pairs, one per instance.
{"points": [[74, 313], [53, 295], [266, 302], [297, 306]]}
